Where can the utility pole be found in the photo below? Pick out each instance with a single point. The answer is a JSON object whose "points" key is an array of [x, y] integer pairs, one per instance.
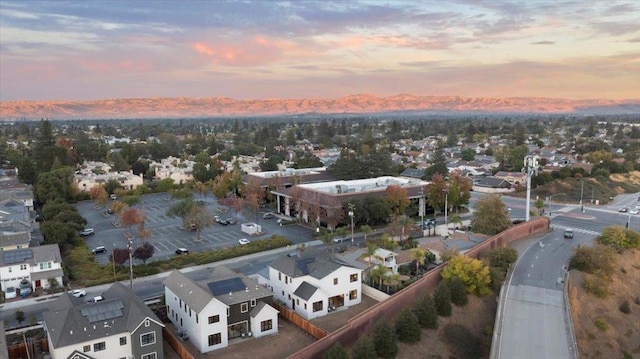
{"points": [[446, 207], [130, 262], [422, 209], [581, 195], [531, 168]]}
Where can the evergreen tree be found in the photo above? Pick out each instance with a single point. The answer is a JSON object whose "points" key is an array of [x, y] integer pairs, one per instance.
{"points": [[425, 309], [442, 299], [407, 327], [458, 292], [337, 351], [384, 339], [439, 163], [363, 348]]}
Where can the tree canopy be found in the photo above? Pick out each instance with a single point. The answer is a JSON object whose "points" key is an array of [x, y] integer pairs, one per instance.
{"points": [[490, 216], [473, 273]]}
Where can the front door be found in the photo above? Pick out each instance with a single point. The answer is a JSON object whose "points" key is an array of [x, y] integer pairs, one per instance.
{"points": [[38, 284]]}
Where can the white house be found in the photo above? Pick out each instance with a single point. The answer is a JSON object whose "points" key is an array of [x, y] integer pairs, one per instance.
{"points": [[315, 282], [386, 259], [119, 327], [227, 306], [180, 171], [35, 264], [85, 180]]}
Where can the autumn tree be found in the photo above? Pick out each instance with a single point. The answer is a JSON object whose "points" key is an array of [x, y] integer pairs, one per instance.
{"points": [[398, 199], [490, 216], [119, 255], [436, 192], [130, 217], [459, 189], [473, 273], [334, 213], [144, 252], [98, 195], [199, 218]]}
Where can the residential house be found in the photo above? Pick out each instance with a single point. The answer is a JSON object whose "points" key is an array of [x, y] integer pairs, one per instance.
{"points": [[36, 265], [314, 283], [515, 178], [119, 327], [84, 180], [227, 306], [180, 171], [386, 259]]}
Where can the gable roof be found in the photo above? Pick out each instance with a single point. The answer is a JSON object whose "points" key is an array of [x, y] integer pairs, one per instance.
{"points": [[260, 307], [195, 296], [315, 262], [70, 321], [493, 182], [412, 173], [305, 290]]}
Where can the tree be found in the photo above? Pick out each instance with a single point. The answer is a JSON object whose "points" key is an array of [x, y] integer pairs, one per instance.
{"points": [[442, 299], [619, 238], [384, 340], [473, 273], [363, 348], [426, 312], [436, 192], [417, 254], [407, 327], [459, 190], [371, 251], [377, 274], [458, 292], [19, 315], [98, 195], [468, 154], [501, 257], [598, 259], [130, 217], [398, 199], [119, 256], [55, 184], [366, 229], [439, 163], [199, 218], [144, 252], [337, 351], [490, 216]]}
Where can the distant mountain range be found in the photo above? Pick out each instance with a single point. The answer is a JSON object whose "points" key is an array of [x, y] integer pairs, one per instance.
{"points": [[182, 107]]}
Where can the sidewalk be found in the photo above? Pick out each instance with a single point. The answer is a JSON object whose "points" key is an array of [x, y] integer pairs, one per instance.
{"points": [[103, 287]]}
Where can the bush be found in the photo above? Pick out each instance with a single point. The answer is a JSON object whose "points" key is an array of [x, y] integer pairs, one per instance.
{"points": [[595, 260], [497, 275], [384, 340], [637, 301], [426, 311], [442, 299], [337, 351], [405, 269], [624, 307], [407, 327], [619, 238], [597, 285], [463, 341], [602, 325], [458, 292], [363, 348], [501, 257]]}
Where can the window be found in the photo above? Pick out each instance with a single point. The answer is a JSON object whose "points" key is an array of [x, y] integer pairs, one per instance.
{"points": [[99, 346], [280, 276], [214, 319], [335, 281], [228, 312], [148, 338], [244, 307], [147, 323], [123, 340], [297, 301], [10, 269], [253, 303], [197, 319], [86, 348], [353, 294], [46, 265], [23, 267], [317, 306], [215, 339], [149, 356], [266, 325], [305, 306], [354, 277]]}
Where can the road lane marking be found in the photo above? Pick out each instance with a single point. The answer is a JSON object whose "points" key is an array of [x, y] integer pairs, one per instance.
{"points": [[580, 230]]}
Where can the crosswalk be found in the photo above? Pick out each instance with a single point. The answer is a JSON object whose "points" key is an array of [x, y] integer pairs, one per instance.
{"points": [[579, 230]]}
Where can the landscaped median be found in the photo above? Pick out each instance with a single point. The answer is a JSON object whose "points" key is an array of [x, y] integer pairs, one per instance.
{"points": [[82, 269]]}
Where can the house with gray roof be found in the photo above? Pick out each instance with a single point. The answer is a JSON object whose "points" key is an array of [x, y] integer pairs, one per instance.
{"points": [[226, 306], [119, 327], [314, 282], [36, 266]]}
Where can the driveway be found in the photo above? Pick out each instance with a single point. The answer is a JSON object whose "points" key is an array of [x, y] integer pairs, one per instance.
{"points": [[167, 233]]}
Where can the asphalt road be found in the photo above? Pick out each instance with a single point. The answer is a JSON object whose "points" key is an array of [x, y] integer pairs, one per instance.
{"points": [[534, 321]]}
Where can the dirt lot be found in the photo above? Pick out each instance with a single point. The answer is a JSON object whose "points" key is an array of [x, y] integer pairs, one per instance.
{"points": [[623, 332], [478, 316]]}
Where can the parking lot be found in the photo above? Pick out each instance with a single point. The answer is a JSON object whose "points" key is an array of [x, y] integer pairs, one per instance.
{"points": [[167, 233]]}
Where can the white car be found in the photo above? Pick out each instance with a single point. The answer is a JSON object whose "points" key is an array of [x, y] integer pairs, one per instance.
{"points": [[10, 293], [78, 293], [633, 211], [244, 241]]}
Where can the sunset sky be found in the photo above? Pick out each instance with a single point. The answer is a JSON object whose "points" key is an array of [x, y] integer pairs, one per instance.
{"points": [[88, 50]]}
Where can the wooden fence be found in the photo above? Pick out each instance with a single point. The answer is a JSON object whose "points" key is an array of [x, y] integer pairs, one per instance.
{"points": [[176, 344], [19, 351], [299, 321]]}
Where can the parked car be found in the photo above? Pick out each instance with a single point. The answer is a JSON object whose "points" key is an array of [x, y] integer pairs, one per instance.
{"points": [[87, 232], [633, 211], [99, 250], [78, 293], [568, 233], [10, 293], [113, 197], [96, 299], [341, 239], [181, 251], [244, 241], [230, 221], [267, 215], [623, 210]]}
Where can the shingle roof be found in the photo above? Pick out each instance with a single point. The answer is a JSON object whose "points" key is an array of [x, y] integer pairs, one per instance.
{"points": [[67, 321], [305, 290], [315, 262], [194, 295], [259, 307]]}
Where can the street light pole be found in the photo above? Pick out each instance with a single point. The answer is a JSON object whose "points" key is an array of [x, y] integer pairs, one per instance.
{"points": [[446, 207], [531, 168], [422, 209], [581, 195], [130, 263], [551, 198], [351, 214]]}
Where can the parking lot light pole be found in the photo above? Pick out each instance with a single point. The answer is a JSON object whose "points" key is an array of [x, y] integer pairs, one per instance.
{"points": [[551, 198], [130, 262], [351, 214]]}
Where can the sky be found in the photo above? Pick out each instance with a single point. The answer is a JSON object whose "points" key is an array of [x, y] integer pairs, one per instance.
{"points": [[91, 50]]}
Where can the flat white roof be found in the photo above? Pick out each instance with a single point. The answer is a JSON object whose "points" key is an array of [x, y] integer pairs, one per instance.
{"points": [[289, 172], [363, 185]]}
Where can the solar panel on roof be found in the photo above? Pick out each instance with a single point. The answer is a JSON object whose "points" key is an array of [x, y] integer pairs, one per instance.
{"points": [[16, 256], [226, 286], [103, 311], [303, 264]]}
